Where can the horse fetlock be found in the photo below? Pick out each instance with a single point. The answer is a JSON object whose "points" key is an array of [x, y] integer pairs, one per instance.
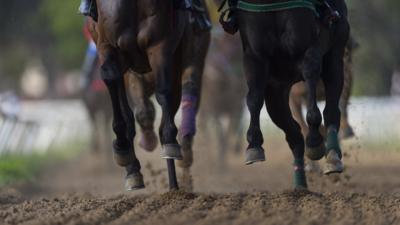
{"points": [[171, 151], [314, 118], [332, 141], [254, 155], [187, 152], [314, 139], [123, 159], [148, 140], [315, 152], [123, 156]]}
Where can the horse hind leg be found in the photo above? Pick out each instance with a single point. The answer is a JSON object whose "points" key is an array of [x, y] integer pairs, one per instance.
{"points": [[277, 103], [333, 82], [346, 130], [311, 70], [123, 121], [140, 91]]}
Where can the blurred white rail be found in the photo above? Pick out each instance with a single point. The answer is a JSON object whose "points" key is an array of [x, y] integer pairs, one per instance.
{"points": [[374, 119], [43, 125]]}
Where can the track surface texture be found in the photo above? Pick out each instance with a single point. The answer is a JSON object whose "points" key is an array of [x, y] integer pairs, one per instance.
{"points": [[89, 190]]}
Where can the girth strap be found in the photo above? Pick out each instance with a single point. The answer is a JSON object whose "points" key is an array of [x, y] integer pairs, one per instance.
{"points": [[278, 6]]}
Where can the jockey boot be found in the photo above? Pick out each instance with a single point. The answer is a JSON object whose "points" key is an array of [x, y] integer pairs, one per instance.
{"points": [[183, 4], [230, 25], [328, 14], [88, 8], [200, 17]]}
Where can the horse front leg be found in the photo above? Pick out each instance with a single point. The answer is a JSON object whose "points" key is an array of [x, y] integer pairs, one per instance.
{"points": [[255, 75], [311, 70], [123, 120], [168, 94], [333, 82]]}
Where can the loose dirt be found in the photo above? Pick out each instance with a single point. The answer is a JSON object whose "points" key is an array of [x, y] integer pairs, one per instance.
{"points": [[89, 190]]}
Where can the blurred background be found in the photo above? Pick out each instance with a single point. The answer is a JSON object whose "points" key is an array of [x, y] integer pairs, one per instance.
{"points": [[43, 115]]}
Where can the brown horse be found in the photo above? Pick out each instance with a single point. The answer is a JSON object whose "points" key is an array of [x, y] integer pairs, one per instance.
{"points": [[157, 42], [298, 96]]}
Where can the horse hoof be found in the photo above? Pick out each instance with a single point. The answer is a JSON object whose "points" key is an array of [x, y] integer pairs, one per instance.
{"points": [[134, 182], [313, 167], [187, 159], [254, 155], [148, 141], [171, 151], [333, 163], [301, 188], [186, 181], [346, 133], [315, 153]]}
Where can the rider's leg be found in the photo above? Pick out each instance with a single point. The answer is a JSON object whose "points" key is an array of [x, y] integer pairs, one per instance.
{"points": [[84, 7], [199, 12], [231, 24], [88, 8]]}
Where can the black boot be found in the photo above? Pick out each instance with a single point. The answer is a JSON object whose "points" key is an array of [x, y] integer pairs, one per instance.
{"points": [[230, 24], [183, 4], [201, 20], [88, 8]]}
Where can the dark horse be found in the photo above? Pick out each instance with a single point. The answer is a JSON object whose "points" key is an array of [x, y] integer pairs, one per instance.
{"points": [[150, 38], [280, 49]]}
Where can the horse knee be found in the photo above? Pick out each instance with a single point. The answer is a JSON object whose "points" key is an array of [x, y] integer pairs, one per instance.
{"points": [[110, 70]]}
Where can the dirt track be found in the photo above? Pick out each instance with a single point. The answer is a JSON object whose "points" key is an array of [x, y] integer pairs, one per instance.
{"points": [[84, 191]]}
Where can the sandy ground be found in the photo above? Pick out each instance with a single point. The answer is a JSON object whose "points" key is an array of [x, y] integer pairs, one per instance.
{"points": [[89, 190]]}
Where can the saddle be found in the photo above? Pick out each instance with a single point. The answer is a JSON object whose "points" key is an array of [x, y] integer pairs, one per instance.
{"points": [[198, 15], [321, 8], [198, 12]]}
